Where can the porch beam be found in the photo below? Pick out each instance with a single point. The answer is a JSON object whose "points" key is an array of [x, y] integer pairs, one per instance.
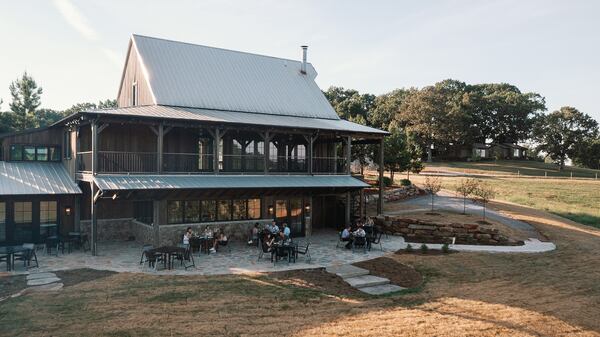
{"points": [[216, 146], [102, 127], [380, 200]]}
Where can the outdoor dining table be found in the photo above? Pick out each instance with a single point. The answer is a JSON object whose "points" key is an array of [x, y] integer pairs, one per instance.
{"points": [[10, 252], [290, 248], [167, 252], [206, 243]]}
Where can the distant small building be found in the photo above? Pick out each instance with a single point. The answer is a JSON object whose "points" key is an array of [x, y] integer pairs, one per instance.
{"points": [[498, 150]]}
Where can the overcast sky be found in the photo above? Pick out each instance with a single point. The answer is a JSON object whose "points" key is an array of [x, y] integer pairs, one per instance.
{"points": [[76, 49]]}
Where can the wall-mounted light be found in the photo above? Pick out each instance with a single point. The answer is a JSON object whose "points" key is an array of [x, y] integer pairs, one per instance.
{"points": [[270, 209], [114, 197], [68, 211], [307, 208]]}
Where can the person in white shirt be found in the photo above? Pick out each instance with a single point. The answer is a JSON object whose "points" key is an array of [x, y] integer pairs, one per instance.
{"points": [[274, 228], [187, 235], [359, 232]]}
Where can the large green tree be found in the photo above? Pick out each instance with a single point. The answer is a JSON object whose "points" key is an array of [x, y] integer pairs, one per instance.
{"points": [[349, 103], [385, 108], [561, 133], [502, 113], [25, 95], [587, 153]]}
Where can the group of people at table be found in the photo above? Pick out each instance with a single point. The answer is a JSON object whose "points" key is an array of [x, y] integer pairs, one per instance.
{"points": [[359, 230], [214, 238]]}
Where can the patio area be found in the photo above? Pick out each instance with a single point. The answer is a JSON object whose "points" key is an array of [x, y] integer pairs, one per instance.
{"points": [[125, 257]]}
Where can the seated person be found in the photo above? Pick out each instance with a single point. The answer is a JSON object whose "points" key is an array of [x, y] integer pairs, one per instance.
{"points": [[274, 227], [208, 232], [286, 231], [369, 222], [347, 236], [253, 237], [269, 242], [186, 236], [220, 240], [360, 232]]}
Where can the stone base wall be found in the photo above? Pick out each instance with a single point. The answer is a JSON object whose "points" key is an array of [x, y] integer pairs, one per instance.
{"points": [[120, 230], [414, 230], [109, 229], [235, 230]]}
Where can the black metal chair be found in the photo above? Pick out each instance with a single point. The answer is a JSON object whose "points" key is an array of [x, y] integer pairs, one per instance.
{"points": [[359, 242], [263, 248], [145, 248], [27, 256], [4, 258], [302, 249], [376, 240], [153, 259], [340, 241]]}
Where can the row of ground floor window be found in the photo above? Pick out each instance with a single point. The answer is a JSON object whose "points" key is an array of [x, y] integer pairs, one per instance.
{"points": [[34, 218]]}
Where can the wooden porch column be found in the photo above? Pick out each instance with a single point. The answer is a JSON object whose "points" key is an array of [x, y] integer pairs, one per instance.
{"points": [[94, 129], [94, 219], [156, 222], [380, 200], [267, 150], [348, 208], [335, 157], [216, 150], [311, 141], [348, 154], [362, 203], [308, 217], [159, 150]]}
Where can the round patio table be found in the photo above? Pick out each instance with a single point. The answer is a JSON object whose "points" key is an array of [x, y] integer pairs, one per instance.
{"points": [[10, 252], [167, 252]]}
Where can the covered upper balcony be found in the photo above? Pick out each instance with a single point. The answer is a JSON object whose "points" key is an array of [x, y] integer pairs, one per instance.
{"points": [[136, 148]]}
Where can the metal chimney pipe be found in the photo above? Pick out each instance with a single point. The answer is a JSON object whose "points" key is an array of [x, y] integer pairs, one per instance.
{"points": [[304, 51]]}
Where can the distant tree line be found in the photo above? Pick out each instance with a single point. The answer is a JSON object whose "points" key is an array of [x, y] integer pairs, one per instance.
{"points": [[25, 112], [451, 115]]}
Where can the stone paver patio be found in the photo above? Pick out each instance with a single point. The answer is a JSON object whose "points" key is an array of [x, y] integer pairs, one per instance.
{"points": [[125, 257]]}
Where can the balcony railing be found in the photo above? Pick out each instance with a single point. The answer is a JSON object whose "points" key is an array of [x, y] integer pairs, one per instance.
{"points": [[146, 162], [242, 163], [330, 165], [187, 163]]}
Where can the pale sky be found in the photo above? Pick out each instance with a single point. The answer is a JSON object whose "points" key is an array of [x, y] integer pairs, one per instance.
{"points": [[76, 49]]}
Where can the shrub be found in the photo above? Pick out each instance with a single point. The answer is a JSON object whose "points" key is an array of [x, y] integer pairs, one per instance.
{"points": [[445, 248], [405, 182], [424, 249], [409, 248], [387, 181]]}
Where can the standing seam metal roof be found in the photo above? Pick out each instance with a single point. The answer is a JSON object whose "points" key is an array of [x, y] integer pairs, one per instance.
{"points": [[160, 182], [184, 74], [218, 116], [31, 178]]}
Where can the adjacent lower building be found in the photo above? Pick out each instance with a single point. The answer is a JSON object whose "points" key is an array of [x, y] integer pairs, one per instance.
{"points": [[201, 137]]}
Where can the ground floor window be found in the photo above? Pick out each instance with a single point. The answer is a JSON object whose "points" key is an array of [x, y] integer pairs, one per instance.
{"points": [[192, 211], [23, 212], [48, 218], [2, 221]]}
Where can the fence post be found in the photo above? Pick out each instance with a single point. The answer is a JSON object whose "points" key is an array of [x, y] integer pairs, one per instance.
{"points": [[571, 174], [545, 174]]}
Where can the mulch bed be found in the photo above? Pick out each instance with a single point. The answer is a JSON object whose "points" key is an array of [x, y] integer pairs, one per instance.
{"points": [[72, 277], [317, 279], [12, 284], [398, 273]]}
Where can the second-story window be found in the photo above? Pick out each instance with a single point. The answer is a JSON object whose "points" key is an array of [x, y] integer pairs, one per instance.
{"points": [[134, 94]]}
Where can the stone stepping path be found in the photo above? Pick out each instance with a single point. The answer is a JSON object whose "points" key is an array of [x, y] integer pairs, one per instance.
{"points": [[361, 279], [42, 279]]}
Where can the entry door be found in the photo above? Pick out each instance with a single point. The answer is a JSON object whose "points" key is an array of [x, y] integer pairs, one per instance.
{"points": [[2, 222], [296, 223]]}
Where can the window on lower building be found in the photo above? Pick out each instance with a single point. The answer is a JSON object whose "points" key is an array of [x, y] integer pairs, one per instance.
{"points": [[53, 153], [209, 210], [191, 211], [254, 209], [23, 212], [16, 152], [240, 209], [48, 218], [2, 221], [41, 154], [174, 212], [224, 210], [143, 211], [29, 153]]}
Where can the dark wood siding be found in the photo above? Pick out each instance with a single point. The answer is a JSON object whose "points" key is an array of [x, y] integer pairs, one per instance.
{"points": [[134, 73], [51, 137]]}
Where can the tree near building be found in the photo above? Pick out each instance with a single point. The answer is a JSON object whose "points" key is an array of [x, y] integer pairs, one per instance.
{"points": [[587, 154], [385, 108], [561, 133], [25, 95], [483, 194], [432, 185], [465, 188]]}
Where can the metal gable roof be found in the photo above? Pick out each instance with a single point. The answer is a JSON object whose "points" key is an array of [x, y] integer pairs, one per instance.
{"points": [[217, 116], [160, 182], [32, 178], [184, 74]]}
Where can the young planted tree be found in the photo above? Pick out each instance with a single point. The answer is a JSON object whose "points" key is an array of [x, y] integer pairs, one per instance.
{"points": [[465, 188], [484, 193], [433, 185]]}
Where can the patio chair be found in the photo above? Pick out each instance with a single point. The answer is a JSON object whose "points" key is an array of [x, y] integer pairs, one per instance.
{"points": [[180, 256], [4, 258], [144, 249], [303, 250], [263, 249], [376, 240], [27, 255], [152, 259], [188, 258], [340, 241], [359, 242]]}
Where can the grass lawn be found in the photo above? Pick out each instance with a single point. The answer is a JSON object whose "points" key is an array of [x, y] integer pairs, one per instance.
{"points": [[578, 200], [462, 294], [511, 167]]}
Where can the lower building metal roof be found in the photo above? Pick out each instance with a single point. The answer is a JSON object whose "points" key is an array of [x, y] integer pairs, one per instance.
{"points": [[165, 182], [35, 178]]}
